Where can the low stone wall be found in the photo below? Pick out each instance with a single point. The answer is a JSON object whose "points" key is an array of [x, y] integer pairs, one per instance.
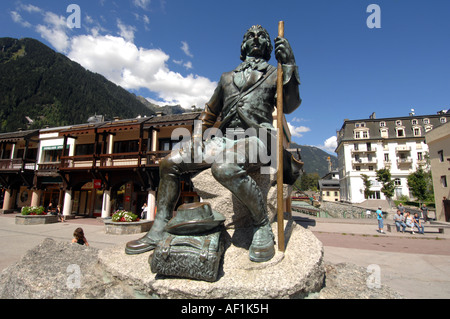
{"points": [[8, 211], [126, 228], [344, 210], [36, 219]]}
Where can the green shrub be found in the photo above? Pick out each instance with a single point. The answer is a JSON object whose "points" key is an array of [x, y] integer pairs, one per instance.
{"points": [[33, 210], [124, 216]]}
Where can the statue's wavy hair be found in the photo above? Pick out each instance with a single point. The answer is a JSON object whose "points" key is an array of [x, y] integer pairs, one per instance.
{"points": [[266, 55]]}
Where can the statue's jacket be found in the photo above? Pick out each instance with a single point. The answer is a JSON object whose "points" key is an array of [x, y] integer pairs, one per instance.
{"points": [[249, 101]]}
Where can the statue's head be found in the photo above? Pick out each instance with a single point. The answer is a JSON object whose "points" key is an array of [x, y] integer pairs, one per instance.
{"points": [[256, 43]]}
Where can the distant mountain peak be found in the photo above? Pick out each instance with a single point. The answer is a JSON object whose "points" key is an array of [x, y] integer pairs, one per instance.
{"points": [[315, 159], [52, 90]]}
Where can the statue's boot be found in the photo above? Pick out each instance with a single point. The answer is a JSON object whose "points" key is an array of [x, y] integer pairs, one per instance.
{"points": [[235, 178], [168, 193], [262, 248]]}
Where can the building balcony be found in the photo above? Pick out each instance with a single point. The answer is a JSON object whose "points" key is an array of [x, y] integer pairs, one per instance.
{"points": [[364, 161], [112, 161], [403, 149], [364, 151], [17, 165], [404, 161]]}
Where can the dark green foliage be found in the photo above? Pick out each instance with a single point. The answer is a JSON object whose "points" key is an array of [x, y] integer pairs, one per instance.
{"points": [[367, 184], [308, 181], [385, 178], [52, 90], [421, 185]]}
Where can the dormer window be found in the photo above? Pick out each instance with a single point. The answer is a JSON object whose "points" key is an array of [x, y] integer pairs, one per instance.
{"points": [[400, 132], [398, 122]]}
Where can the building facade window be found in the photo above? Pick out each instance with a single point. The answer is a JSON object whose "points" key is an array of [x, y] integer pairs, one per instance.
{"points": [[420, 156], [416, 131], [400, 132], [126, 146], [444, 181], [443, 120], [441, 156]]}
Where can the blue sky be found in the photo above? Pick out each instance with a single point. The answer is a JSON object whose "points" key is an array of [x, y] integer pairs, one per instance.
{"points": [[174, 51]]}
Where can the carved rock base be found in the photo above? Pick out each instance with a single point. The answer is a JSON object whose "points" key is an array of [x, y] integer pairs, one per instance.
{"points": [[295, 273]]}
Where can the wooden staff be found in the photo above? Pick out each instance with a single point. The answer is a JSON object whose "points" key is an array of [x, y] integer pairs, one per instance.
{"points": [[280, 210]]}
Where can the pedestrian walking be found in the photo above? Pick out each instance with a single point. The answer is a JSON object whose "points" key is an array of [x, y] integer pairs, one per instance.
{"points": [[401, 208], [144, 211], [424, 210], [380, 220]]}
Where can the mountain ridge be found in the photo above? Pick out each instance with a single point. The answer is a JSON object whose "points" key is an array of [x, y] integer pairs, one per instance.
{"points": [[41, 87], [315, 159]]}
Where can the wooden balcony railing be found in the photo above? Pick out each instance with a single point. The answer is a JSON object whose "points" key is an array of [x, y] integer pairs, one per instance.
{"points": [[17, 164], [111, 161]]}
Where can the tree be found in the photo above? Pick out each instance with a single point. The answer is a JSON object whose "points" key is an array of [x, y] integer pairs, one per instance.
{"points": [[309, 181], [385, 178], [367, 184], [420, 184]]}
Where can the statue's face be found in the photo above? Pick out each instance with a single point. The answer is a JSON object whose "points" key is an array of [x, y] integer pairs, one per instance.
{"points": [[256, 42]]}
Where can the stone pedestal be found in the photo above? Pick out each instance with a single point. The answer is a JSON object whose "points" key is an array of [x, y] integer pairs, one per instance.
{"points": [[221, 199], [292, 274], [36, 219], [126, 228]]}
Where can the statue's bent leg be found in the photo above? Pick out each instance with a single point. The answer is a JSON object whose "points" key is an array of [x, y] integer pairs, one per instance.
{"points": [[168, 193], [236, 179]]}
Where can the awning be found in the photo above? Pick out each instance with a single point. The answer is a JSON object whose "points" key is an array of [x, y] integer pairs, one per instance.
{"points": [[53, 147]]}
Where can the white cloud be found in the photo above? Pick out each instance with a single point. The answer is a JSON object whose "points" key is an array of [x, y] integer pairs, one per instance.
{"points": [[30, 8], [185, 49], [142, 3], [131, 67], [121, 61], [188, 65], [55, 31], [17, 18], [298, 131], [330, 144], [126, 31]]}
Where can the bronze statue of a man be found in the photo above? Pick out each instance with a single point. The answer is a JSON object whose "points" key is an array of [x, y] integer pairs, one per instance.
{"points": [[244, 98]]}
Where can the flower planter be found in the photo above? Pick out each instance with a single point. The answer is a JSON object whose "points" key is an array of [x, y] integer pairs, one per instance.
{"points": [[126, 228], [36, 219]]}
